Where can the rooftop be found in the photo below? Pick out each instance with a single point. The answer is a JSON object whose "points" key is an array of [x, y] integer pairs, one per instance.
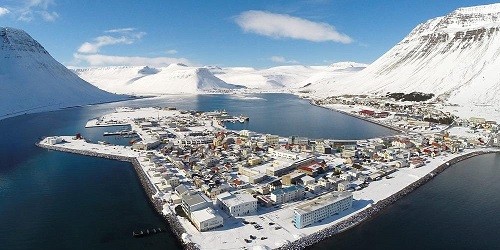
{"points": [[204, 214], [236, 198], [321, 201], [287, 189], [197, 198]]}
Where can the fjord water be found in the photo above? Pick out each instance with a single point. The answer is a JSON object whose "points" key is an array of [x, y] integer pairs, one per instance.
{"points": [[54, 200]]}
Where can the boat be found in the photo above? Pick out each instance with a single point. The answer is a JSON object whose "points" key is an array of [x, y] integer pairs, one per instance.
{"points": [[138, 234]]}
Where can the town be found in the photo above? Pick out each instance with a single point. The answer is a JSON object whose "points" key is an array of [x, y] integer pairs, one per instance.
{"points": [[268, 190]]}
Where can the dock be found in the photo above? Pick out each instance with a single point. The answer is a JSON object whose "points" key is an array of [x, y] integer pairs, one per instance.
{"points": [[147, 232]]}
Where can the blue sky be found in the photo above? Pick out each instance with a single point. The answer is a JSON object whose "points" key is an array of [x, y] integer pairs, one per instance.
{"points": [[225, 33]]}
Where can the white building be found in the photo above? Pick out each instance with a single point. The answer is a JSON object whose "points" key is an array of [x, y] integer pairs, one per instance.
{"points": [[237, 203], [345, 185], [172, 181], [272, 139], [307, 180], [206, 219], [194, 201], [285, 154], [321, 207], [146, 144], [54, 140], [496, 140], [246, 133], [287, 194]]}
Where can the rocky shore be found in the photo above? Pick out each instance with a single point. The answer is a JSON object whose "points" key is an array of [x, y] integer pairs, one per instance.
{"points": [[375, 208]]}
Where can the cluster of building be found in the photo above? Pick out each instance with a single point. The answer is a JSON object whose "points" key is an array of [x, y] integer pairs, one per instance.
{"points": [[211, 173], [413, 114]]}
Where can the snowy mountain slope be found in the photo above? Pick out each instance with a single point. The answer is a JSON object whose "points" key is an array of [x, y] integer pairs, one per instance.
{"points": [[174, 79], [455, 56], [32, 81], [290, 77]]}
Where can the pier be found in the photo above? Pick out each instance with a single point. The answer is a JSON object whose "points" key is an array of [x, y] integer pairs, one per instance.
{"points": [[147, 232]]}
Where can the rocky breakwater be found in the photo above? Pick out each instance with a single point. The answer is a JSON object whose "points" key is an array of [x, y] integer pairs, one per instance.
{"points": [[376, 208]]}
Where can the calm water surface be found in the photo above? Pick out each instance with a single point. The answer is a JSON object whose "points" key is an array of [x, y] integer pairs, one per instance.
{"points": [[54, 200]]}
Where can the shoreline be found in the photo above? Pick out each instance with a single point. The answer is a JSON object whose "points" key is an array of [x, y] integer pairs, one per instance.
{"points": [[375, 209], [174, 226], [400, 130]]}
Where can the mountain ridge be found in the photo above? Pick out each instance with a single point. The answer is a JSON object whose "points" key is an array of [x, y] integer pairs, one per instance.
{"points": [[448, 56], [32, 81]]}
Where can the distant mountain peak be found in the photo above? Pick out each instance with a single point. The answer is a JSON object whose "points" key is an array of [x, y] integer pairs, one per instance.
{"points": [[18, 40], [480, 9]]}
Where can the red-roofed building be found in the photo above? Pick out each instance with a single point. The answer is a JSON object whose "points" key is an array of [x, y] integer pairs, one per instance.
{"points": [[313, 169], [367, 112]]}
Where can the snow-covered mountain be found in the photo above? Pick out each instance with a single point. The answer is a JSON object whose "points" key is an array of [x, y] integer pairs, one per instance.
{"points": [[289, 77], [143, 80], [32, 81], [456, 57]]}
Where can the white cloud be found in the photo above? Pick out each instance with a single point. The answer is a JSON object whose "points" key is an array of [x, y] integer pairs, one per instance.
{"points": [[121, 30], [109, 60], [286, 26], [171, 51], [49, 16], [128, 36], [4, 11], [280, 59], [89, 52], [33, 8], [95, 46]]}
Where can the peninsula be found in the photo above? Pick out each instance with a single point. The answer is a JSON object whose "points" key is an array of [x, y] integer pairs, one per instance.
{"points": [[268, 191]]}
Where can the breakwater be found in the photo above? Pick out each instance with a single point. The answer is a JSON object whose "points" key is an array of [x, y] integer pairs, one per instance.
{"points": [[175, 227], [376, 208]]}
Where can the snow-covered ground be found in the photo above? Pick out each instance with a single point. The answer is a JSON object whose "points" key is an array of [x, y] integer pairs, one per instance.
{"points": [[80, 144], [173, 79], [287, 77]]}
